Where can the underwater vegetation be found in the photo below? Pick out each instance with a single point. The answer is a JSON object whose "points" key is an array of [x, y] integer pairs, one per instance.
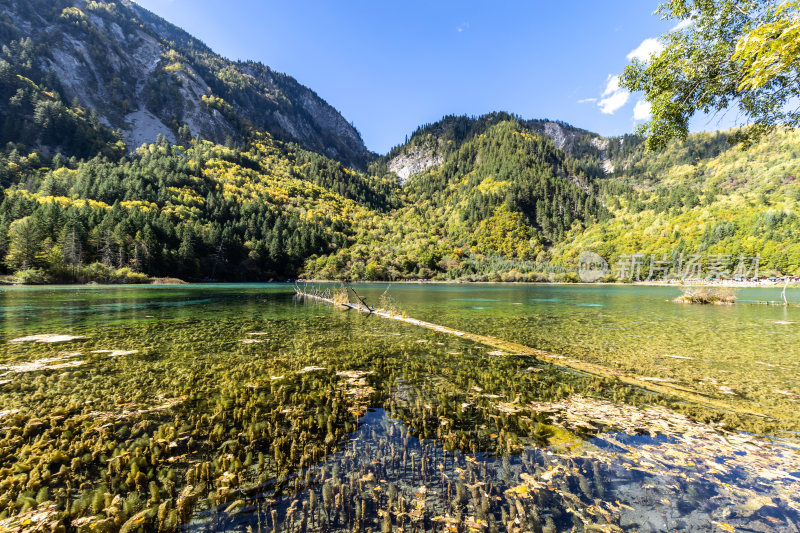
{"points": [[744, 357], [257, 412], [707, 295]]}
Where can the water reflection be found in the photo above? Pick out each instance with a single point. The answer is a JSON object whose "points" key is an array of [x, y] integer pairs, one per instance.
{"points": [[383, 478]]}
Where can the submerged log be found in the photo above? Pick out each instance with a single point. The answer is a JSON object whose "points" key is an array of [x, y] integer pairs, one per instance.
{"points": [[512, 348]]}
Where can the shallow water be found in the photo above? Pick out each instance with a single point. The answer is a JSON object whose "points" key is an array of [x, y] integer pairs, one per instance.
{"points": [[235, 406], [747, 354]]}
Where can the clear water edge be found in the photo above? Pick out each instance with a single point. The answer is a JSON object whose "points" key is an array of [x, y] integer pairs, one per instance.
{"points": [[633, 327]]}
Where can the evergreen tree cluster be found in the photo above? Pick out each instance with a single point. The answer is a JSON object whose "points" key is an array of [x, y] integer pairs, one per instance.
{"points": [[206, 212]]}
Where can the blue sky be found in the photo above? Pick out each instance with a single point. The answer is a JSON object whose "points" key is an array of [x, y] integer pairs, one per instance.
{"points": [[391, 66]]}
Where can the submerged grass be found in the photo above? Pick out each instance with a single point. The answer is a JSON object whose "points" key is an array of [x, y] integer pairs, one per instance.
{"points": [[186, 426], [707, 295]]}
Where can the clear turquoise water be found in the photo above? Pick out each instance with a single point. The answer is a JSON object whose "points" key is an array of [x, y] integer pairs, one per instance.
{"points": [[235, 401], [751, 351]]}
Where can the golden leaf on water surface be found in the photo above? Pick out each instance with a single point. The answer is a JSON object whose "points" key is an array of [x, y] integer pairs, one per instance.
{"points": [[531, 481], [226, 476], [115, 353], [723, 526], [353, 374], [475, 524], [521, 491], [508, 408]]}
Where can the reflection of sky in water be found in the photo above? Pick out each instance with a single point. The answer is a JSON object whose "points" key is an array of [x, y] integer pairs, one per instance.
{"points": [[37, 310], [98, 308], [547, 487]]}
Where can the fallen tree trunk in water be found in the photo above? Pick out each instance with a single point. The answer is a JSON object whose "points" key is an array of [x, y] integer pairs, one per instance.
{"points": [[512, 348]]}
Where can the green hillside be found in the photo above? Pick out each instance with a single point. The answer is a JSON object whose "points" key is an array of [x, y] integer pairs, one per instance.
{"points": [[505, 204], [253, 176], [502, 197], [202, 212], [704, 197]]}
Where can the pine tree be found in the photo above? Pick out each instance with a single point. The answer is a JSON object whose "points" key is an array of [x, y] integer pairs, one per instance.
{"points": [[24, 245], [72, 249]]}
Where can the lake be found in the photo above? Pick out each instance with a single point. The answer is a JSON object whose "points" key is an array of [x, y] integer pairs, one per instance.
{"points": [[228, 407]]}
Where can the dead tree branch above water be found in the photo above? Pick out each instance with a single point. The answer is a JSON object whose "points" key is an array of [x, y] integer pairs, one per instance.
{"points": [[506, 348]]}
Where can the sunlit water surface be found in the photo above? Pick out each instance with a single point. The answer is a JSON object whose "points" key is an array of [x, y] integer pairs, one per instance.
{"points": [[238, 406]]}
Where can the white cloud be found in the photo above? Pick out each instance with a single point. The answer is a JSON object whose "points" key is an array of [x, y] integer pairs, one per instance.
{"points": [[642, 110], [682, 25], [614, 97], [646, 50], [610, 105], [612, 85]]}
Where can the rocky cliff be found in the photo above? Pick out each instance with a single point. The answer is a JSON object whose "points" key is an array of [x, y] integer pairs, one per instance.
{"points": [[145, 77], [413, 161]]}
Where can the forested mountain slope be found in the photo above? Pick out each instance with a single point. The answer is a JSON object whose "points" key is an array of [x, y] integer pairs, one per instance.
{"points": [[143, 76], [504, 204], [202, 212], [702, 196], [501, 196], [253, 179]]}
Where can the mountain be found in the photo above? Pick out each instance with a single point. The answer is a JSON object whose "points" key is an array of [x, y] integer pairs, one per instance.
{"points": [[429, 143], [469, 185], [493, 196], [700, 196], [138, 74], [247, 175]]}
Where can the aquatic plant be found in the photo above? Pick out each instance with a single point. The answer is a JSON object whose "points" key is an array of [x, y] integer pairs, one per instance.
{"points": [[707, 295], [335, 421]]}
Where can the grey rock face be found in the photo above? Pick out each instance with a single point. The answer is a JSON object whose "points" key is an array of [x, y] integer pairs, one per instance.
{"points": [[560, 135], [414, 160], [145, 77]]}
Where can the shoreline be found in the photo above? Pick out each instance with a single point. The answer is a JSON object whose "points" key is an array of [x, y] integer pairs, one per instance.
{"points": [[675, 284], [152, 281]]}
